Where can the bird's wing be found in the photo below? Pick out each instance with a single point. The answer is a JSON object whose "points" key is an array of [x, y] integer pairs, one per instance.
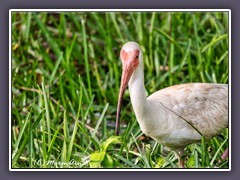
{"points": [[204, 105]]}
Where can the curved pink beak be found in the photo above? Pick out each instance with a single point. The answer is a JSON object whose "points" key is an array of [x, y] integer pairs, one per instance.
{"points": [[126, 74], [129, 64]]}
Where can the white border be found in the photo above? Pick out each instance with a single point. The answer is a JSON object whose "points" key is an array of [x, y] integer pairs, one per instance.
{"points": [[229, 87], [116, 10]]}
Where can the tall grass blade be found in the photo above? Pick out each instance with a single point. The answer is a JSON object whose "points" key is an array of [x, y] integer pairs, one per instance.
{"points": [[46, 106]]}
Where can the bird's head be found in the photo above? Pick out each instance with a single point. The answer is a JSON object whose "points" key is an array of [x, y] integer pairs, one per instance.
{"points": [[131, 57]]}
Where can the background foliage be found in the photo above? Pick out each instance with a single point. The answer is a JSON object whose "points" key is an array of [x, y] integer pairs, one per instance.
{"points": [[66, 77]]}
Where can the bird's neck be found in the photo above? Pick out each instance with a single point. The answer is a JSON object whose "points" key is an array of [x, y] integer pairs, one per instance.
{"points": [[137, 92]]}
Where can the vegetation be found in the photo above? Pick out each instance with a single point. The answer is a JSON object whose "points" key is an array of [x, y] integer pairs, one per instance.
{"points": [[66, 77]]}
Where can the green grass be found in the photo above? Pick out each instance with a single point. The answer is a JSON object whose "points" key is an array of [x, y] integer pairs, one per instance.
{"points": [[66, 77]]}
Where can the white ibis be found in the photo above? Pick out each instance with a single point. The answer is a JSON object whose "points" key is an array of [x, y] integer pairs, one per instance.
{"points": [[175, 116]]}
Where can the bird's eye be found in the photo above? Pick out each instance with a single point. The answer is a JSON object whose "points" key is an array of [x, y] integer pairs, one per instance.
{"points": [[137, 57]]}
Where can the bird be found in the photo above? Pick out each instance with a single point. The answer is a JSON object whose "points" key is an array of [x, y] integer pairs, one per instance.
{"points": [[175, 116]]}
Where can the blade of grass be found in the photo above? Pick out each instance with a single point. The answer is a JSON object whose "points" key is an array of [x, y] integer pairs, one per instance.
{"points": [[131, 164], [92, 140], [46, 104], [47, 35], [171, 62], [109, 48], [87, 111], [56, 67], [139, 27], [183, 119], [185, 57], [85, 49], [151, 41], [214, 41], [197, 39], [196, 158], [53, 140], [62, 26], [19, 152], [203, 152], [218, 152], [16, 146], [64, 147], [113, 18], [170, 39], [28, 25], [30, 144], [75, 126], [44, 148], [100, 120], [143, 156]]}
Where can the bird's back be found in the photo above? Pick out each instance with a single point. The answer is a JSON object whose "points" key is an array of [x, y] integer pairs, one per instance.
{"points": [[203, 105]]}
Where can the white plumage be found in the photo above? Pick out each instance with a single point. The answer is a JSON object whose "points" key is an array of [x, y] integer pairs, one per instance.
{"points": [[163, 114]]}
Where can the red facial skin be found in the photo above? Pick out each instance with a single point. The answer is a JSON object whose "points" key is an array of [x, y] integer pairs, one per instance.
{"points": [[130, 59], [130, 62]]}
